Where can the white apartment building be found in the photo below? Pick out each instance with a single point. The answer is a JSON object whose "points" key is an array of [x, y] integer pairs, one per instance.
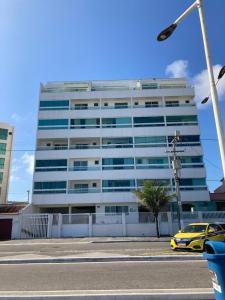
{"points": [[6, 139], [97, 141]]}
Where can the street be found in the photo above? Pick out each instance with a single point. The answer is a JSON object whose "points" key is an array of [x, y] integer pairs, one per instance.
{"points": [[87, 247], [104, 276]]}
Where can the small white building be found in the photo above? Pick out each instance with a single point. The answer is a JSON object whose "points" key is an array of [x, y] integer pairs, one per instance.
{"points": [[97, 141]]}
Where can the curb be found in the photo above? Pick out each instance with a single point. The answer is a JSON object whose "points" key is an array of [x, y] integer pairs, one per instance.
{"points": [[102, 259], [170, 294]]}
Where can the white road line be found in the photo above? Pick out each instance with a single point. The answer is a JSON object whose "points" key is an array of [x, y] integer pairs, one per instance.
{"points": [[186, 291], [104, 262]]}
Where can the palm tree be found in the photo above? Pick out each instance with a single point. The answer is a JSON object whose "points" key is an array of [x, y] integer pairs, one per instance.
{"points": [[154, 197]]}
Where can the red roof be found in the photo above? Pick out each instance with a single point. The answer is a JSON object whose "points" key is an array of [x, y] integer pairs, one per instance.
{"points": [[11, 208]]}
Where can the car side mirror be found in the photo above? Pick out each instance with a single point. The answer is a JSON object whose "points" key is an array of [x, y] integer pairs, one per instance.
{"points": [[211, 230]]}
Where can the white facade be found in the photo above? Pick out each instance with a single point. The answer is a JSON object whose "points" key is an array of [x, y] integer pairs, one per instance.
{"points": [[97, 141], [6, 139]]}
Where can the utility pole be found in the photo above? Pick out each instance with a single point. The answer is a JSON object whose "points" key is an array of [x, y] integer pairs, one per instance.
{"points": [[28, 195], [176, 164]]}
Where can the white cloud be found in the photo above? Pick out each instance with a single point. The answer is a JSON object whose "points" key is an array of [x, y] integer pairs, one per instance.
{"points": [[17, 118], [201, 84], [178, 68], [200, 81], [28, 161]]}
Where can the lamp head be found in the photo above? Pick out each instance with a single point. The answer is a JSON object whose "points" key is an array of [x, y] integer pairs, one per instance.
{"points": [[204, 100], [221, 73], [166, 33]]}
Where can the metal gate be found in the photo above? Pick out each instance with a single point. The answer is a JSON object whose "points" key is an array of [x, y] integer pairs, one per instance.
{"points": [[34, 226], [5, 229]]}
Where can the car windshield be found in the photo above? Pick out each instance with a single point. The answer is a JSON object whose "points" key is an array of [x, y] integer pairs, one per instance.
{"points": [[194, 228]]}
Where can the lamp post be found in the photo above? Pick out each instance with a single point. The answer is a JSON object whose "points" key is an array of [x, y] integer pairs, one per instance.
{"points": [[214, 95]]}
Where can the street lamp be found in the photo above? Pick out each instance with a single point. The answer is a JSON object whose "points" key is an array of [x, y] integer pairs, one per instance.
{"points": [[221, 73], [213, 91]]}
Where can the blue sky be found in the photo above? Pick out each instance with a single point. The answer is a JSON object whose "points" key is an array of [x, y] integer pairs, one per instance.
{"points": [[51, 40]]}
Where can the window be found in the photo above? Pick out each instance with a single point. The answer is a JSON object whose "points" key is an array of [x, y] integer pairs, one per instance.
{"points": [[54, 104], [50, 187], [187, 101], [191, 161], [192, 184], [117, 163], [116, 122], [148, 121], [94, 184], [51, 165], [2, 148], [146, 86], [81, 187], [172, 103], [118, 185], [85, 123], [151, 104], [96, 162], [214, 227], [80, 165], [3, 134], [1, 177], [116, 209], [121, 105], [95, 104], [186, 140], [152, 163], [136, 103], [126, 142], [53, 124], [105, 104], [150, 141], [2, 162], [181, 120], [81, 106]]}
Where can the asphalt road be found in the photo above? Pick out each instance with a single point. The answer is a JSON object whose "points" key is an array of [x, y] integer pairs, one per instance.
{"points": [[85, 247], [105, 276]]}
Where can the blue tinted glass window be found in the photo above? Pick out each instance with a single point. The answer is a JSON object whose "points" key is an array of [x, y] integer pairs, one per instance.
{"points": [[51, 163], [2, 148], [3, 134], [54, 103], [47, 185]]}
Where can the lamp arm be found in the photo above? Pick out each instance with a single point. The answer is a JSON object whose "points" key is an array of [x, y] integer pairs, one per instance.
{"points": [[185, 13]]}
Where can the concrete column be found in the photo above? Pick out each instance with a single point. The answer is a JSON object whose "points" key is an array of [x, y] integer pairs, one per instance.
{"points": [[170, 223], [49, 230], [90, 228], [124, 229], [59, 225], [70, 214], [200, 219]]}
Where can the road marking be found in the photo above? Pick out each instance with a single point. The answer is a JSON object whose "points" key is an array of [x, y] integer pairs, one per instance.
{"points": [[186, 291], [103, 262]]}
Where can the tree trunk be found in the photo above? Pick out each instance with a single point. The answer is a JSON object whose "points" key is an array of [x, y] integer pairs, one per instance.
{"points": [[157, 225]]}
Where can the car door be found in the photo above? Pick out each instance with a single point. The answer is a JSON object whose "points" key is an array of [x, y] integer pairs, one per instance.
{"points": [[215, 232]]}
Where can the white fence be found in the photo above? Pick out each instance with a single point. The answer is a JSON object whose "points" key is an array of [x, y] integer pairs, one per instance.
{"points": [[133, 224]]}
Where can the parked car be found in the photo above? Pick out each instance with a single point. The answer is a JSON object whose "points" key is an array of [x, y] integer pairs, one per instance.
{"points": [[194, 236]]}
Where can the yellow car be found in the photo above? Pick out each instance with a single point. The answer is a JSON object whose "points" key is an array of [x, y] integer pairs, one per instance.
{"points": [[194, 236]]}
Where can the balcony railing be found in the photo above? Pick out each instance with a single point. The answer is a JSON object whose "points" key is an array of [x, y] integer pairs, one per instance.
{"points": [[84, 190], [117, 107], [85, 168], [152, 166], [117, 167], [119, 189]]}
